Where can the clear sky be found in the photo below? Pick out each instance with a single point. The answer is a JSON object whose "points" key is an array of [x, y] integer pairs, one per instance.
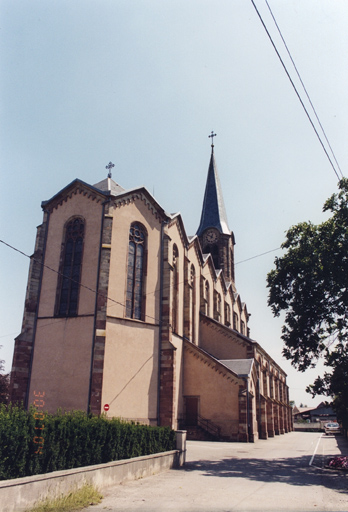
{"points": [[142, 83]]}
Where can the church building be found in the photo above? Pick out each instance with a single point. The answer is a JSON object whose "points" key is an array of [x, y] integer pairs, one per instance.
{"points": [[127, 315]]}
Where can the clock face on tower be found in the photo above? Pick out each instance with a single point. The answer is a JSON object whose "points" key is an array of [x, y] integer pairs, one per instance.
{"points": [[210, 237]]}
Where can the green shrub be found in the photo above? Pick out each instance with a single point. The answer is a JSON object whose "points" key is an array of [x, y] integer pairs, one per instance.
{"points": [[71, 440]]}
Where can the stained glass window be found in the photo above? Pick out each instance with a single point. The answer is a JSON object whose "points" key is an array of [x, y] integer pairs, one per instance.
{"points": [[71, 268], [227, 314], [217, 306], [235, 322], [207, 298], [135, 271]]}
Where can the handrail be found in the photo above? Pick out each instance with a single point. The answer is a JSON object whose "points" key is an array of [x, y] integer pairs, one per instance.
{"points": [[208, 425]]}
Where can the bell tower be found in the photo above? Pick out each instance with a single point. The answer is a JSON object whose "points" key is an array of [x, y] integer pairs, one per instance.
{"points": [[213, 232]]}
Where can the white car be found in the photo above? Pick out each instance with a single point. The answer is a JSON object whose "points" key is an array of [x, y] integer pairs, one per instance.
{"points": [[332, 428]]}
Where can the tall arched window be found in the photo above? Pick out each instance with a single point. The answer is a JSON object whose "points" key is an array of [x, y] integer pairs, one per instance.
{"points": [[281, 393], [227, 315], [235, 322], [265, 387], [135, 272], [69, 284], [217, 306], [207, 297], [271, 389], [175, 308]]}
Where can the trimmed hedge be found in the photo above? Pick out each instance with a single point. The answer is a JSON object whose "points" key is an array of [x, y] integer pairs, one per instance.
{"points": [[30, 446]]}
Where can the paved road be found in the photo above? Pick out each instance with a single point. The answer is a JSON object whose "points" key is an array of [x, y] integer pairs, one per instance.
{"points": [[286, 473]]}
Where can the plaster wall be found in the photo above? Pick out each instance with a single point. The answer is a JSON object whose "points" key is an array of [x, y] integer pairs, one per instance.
{"points": [[179, 368], [220, 344], [189, 257], [219, 288], [61, 363], [77, 205], [194, 320], [123, 216], [62, 348], [208, 274], [176, 239], [130, 376], [216, 284], [218, 394]]}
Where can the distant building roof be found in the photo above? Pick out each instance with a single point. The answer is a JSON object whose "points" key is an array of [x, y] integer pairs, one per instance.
{"points": [[322, 411]]}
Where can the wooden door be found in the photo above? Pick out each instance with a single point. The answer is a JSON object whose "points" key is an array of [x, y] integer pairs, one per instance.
{"points": [[191, 410]]}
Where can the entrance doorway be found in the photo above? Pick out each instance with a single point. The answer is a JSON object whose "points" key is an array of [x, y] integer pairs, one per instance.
{"points": [[191, 410]]}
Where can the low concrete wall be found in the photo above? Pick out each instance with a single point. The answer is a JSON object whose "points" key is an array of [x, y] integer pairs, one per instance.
{"points": [[22, 493], [309, 427]]}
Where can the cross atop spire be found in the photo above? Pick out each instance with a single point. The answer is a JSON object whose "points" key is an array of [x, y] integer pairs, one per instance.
{"points": [[109, 167], [211, 136]]}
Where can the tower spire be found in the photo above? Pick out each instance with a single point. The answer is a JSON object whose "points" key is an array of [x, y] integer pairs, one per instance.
{"points": [[213, 211]]}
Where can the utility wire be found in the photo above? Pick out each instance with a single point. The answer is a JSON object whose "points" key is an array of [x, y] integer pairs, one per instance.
{"points": [[294, 87], [304, 87], [99, 293], [61, 274], [258, 255]]}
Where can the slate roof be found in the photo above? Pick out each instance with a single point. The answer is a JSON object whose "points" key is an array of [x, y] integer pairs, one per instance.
{"points": [[109, 185], [213, 211], [242, 367]]}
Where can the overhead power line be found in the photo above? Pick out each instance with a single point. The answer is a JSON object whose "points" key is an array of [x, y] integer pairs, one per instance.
{"points": [[258, 255], [296, 91], [304, 87], [95, 291], [61, 274]]}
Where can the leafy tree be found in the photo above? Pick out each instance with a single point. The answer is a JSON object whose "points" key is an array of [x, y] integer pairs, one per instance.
{"points": [[335, 384], [310, 284], [4, 384]]}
